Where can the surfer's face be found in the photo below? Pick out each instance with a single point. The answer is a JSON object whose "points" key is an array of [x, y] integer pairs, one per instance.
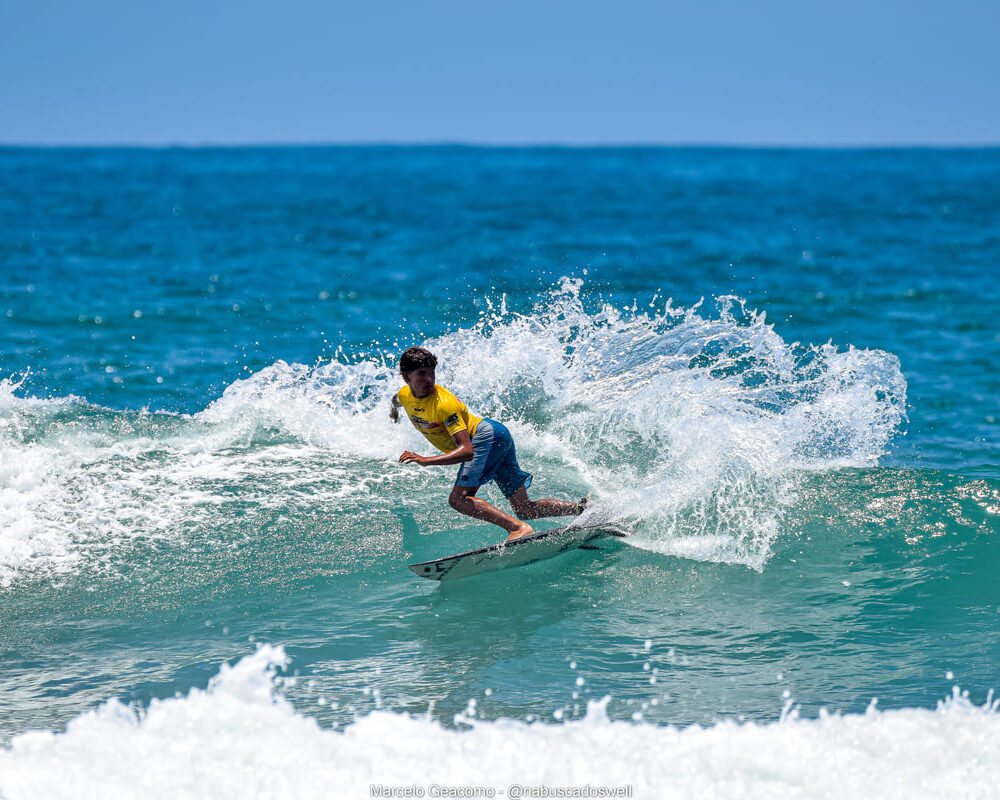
{"points": [[420, 381]]}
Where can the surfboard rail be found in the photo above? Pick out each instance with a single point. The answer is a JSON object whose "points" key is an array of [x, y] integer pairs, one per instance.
{"points": [[527, 550]]}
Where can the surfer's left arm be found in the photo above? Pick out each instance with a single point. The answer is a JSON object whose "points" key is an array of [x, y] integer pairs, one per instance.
{"points": [[394, 406], [462, 452]]}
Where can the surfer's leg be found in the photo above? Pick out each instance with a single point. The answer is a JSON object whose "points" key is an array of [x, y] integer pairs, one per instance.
{"points": [[526, 508], [489, 446], [464, 500]]}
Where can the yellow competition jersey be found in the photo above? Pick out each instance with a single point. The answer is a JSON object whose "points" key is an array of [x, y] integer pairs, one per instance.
{"points": [[438, 416]]}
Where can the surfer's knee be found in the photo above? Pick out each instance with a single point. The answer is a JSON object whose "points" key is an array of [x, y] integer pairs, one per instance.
{"points": [[458, 499]]}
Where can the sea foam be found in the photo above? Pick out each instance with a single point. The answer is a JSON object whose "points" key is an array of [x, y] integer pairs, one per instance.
{"points": [[240, 738]]}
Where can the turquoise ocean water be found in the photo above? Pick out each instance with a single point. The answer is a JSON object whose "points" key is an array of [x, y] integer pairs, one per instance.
{"points": [[777, 368]]}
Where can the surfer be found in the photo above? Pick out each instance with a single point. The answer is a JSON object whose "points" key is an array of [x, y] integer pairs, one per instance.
{"points": [[482, 446]]}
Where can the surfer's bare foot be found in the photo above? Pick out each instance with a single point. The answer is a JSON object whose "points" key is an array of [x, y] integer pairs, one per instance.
{"points": [[522, 530]]}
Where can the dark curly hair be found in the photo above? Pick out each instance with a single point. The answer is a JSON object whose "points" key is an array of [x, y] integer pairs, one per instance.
{"points": [[415, 358]]}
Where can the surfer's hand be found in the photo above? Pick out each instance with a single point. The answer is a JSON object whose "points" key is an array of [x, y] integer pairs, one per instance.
{"points": [[409, 455]]}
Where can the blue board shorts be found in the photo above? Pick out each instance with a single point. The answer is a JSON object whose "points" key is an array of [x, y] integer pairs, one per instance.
{"points": [[493, 459]]}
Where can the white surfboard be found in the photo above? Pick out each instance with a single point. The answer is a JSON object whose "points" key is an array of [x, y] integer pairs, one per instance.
{"points": [[513, 554]]}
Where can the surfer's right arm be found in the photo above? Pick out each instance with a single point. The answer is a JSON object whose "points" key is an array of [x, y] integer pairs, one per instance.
{"points": [[394, 405]]}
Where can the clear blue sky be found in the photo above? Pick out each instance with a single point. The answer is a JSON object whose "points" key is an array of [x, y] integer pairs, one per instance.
{"points": [[842, 72]]}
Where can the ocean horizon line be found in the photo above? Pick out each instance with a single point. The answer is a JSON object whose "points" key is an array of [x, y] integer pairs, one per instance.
{"points": [[498, 145]]}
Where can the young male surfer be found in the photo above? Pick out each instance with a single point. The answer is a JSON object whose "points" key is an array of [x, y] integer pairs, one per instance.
{"points": [[482, 446]]}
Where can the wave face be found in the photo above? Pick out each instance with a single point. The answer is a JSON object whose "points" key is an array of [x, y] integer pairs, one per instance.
{"points": [[240, 737]]}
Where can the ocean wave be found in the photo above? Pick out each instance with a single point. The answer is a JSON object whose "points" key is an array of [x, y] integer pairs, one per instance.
{"points": [[685, 423], [690, 427]]}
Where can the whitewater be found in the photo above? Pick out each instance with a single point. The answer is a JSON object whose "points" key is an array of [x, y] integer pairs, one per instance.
{"points": [[240, 738]]}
